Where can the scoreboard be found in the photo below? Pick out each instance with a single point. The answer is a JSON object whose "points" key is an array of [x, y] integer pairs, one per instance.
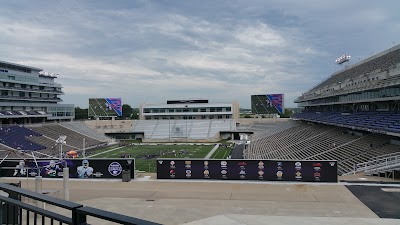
{"points": [[233, 169], [105, 107], [267, 104]]}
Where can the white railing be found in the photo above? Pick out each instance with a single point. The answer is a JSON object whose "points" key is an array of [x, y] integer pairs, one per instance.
{"points": [[379, 164]]}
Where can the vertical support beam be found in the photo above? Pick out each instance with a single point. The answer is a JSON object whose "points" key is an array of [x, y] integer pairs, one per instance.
{"points": [[78, 218], [65, 183], [84, 148], [38, 189]]}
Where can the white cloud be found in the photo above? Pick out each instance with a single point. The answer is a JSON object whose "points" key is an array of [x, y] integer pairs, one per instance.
{"points": [[147, 51]]}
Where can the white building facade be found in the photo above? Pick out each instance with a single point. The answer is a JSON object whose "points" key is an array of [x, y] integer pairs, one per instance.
{"points": [[188, 110]]}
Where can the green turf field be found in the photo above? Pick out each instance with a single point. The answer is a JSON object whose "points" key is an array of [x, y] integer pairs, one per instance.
{"points": [[221, 153], [162, 151]]}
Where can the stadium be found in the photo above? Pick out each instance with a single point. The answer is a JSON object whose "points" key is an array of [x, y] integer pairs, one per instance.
{"points": [[196, 150]]}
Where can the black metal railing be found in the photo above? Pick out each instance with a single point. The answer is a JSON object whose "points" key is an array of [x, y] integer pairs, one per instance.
{"points": [[14, 211]]}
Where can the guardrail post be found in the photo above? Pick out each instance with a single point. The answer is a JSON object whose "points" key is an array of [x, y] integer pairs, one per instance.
{"points": [[78, 218]]}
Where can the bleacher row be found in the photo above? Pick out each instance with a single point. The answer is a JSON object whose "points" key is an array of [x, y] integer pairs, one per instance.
{"points": [[379, 121], [19, 113], [43, 137], [262, 129], [192, 129], [380, 63], [320, 142]]}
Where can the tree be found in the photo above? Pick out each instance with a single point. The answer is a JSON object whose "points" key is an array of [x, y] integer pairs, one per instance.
{"points": [[126, 111], [81, 114], [135, 114], [288, 113]]}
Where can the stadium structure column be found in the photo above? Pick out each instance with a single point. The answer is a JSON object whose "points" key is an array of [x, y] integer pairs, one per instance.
{"points": [[65, 183], [38, 189]]}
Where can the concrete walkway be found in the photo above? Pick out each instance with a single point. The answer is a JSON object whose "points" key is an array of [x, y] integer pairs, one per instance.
{"points": [[238, 219], [199, 203]]}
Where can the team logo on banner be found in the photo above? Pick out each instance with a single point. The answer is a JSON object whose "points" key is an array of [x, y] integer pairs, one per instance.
{"points": [[115, 169]]}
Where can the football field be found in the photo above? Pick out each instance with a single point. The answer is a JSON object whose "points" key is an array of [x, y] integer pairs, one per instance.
{"points": [[146, 154]]}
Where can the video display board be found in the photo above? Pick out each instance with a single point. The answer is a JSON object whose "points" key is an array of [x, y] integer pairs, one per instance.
{"points": [[267, 104], [236, 169], [105, 107], [78, 168]]}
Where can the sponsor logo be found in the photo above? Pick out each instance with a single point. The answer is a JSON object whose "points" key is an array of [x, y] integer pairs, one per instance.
{"points": [[242, 172], [332, 163], [172, 163], [115, 169], [279, 165], [224, 172], [206, 172], [242, 177], [242, 164], [298, 165], [317, 174], [317, 164], [279, 174], [260, 173], [298, 175], [205, 163], [159, 162], [97, 174], [317, 168], [223, 163], [261, 163]]}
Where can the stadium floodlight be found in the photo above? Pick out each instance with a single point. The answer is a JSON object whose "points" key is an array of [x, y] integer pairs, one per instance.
{"points": [[61, 141], [342, 59]]}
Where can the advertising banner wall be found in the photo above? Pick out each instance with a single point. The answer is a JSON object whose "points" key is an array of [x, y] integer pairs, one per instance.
{"points": [[266, 170], [78, 168]]}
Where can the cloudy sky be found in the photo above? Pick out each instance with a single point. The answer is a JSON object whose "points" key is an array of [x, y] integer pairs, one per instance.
{"points": [[151, 51]]}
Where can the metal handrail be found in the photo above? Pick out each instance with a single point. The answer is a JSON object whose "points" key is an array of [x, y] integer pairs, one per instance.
{"points": [[46, 213], [379, 163], [109, 216], [78, 212]]}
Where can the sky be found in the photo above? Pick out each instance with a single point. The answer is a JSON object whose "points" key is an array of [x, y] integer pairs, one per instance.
{"points": [[224, 51]]}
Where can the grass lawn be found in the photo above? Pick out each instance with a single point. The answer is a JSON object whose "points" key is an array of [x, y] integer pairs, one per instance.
{"points": [[149, 165]]}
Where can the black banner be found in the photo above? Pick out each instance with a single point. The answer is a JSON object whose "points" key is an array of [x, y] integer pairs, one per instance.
{"points": [[267, 170], [78, 168]]}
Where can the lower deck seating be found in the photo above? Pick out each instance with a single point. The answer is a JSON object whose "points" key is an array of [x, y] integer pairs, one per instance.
{"points": [[321, 142]]}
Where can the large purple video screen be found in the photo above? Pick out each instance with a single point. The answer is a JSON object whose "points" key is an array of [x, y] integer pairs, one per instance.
{"points": [[267, 104], [233, 169], [105, 107]]}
